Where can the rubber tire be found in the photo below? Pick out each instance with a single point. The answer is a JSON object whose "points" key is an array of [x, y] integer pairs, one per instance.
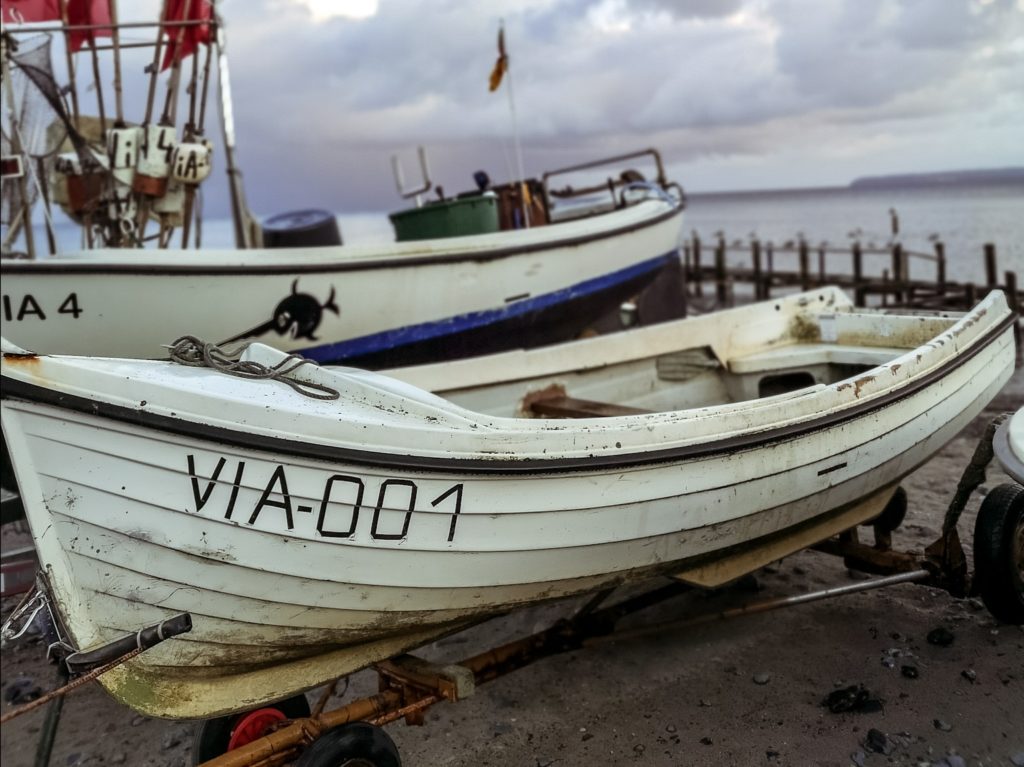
{"points": [[893, 514], [301, 229], [211, 739], [997, 531], [358, 743]]}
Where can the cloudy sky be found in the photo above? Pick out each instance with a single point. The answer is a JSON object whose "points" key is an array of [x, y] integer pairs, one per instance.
{"points": [[737, 94]]}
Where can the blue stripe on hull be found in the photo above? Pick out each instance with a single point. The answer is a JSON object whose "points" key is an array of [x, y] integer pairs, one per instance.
{"points": [[391, 339]]}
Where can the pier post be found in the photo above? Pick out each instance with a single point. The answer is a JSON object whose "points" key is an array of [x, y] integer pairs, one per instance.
{"points": [[698, 276], [970, 294], [940, 268], [898, 274], [755, 258], [821, 264], [859, 291], [721, 275], [805, 267], [769, 252], [991, 270], [1012, 299]]}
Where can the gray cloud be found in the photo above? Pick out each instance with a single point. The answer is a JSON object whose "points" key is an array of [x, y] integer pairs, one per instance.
{"points": [[742, 84]]}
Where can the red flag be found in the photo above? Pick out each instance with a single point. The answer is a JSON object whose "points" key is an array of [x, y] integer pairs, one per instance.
{"points": [[191, 36], [29, 11], [86, 13], [501, 65]]}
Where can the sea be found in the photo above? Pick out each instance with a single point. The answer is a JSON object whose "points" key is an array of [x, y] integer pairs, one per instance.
{"points": [[964, 217]]}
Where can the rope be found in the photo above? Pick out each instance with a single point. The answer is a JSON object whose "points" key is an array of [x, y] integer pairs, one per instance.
{"points": [[974, 474], [191, 351], [62, 691]]}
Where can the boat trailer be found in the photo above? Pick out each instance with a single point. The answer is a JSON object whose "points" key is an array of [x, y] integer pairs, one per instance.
{"points": [[289, 732]]}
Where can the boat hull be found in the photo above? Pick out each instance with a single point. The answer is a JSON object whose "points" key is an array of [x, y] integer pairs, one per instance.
{"points": [[396, 303], [298, 568]]}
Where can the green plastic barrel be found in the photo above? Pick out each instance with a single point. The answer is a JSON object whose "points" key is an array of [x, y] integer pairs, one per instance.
{"points": [[448, 218]]}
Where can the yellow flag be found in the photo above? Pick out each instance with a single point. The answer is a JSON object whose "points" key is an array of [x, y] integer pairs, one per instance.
{"points": [[501, 65]]}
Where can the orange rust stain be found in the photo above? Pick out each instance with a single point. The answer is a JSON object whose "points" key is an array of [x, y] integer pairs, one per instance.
{"points": [[860, 383], [22, 360]]}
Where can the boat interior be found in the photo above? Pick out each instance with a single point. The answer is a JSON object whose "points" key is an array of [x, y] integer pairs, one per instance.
{"points": [[812, 352]]}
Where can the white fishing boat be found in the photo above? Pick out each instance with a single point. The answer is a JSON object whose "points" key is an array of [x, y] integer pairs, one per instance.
{"points": [[315, 528], [499, 266]]}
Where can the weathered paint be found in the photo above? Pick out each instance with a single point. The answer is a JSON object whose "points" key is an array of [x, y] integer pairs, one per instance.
{"points": [[288, 588]]}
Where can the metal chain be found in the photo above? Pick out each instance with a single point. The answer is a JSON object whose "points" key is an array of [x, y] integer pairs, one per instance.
{"points": [[192, 351]]}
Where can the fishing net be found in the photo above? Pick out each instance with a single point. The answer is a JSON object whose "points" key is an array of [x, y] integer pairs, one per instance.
{"points": [[36, 119]]}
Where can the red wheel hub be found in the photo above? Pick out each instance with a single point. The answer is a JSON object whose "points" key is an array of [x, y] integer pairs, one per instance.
{"points": [[254, 725]]}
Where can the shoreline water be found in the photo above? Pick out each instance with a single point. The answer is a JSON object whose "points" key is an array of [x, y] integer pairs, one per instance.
{"points": [[963, 216]]}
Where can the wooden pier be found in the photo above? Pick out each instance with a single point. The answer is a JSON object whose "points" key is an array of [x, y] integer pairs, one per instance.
{"points": [[714, 274]]}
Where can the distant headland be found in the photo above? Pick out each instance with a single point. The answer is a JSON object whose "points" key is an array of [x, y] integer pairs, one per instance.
{"points": [[1013, 175]]}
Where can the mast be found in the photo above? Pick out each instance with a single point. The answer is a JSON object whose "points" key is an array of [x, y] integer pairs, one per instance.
{"points": [[246, 231], [6, 49]]}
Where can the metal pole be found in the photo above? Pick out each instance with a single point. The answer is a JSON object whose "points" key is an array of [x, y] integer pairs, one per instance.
{"points": [[116, 35], [767, 605], [49, 733], [515, 141], [245, 227]]}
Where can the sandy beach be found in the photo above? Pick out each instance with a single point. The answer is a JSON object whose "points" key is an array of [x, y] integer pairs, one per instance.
{"points": [[747, 691]]}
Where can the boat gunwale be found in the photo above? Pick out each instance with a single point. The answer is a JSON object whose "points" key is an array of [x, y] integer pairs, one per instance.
{"points": [[15, 389], [93, 265]]}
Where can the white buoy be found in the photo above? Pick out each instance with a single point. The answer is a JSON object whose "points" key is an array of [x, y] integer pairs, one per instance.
{"points": [[154, 165], [123, 152], [192, 162]]}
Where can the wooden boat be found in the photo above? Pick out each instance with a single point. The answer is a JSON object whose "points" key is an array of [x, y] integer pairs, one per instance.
{"points": [[495, 267], [371, 305], [310, 537]]}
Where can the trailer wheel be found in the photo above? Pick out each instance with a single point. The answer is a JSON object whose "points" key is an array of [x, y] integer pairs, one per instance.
{"points": [[357, 744], [216, 737], [893, 514], [999, 553]]}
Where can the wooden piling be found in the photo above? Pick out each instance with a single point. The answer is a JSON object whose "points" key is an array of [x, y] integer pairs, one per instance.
{"points": [[1013, 300], [991, 270], [755, 258], [859, 293], [769, 253], [898, 274], [721, 274], [940, 268], [699, 277], [805, 266], [821, 264]]}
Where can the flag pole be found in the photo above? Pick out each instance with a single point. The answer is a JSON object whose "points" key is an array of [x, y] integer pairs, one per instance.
{"points": [[517, 147]]}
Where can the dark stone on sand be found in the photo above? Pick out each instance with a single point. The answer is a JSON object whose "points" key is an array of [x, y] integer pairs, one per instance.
{"points": [[910, 672], [706, 741], [854, 698], [22, 691], [938, 724], [879, 742], [941, 636], [970, 675]]}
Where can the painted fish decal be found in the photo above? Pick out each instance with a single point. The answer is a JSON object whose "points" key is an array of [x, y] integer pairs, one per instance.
{"points": [[297, 316]]}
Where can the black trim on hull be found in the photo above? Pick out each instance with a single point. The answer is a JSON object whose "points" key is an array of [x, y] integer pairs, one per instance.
{"points": [[559, 322], [16, 389], [89, 265]]}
